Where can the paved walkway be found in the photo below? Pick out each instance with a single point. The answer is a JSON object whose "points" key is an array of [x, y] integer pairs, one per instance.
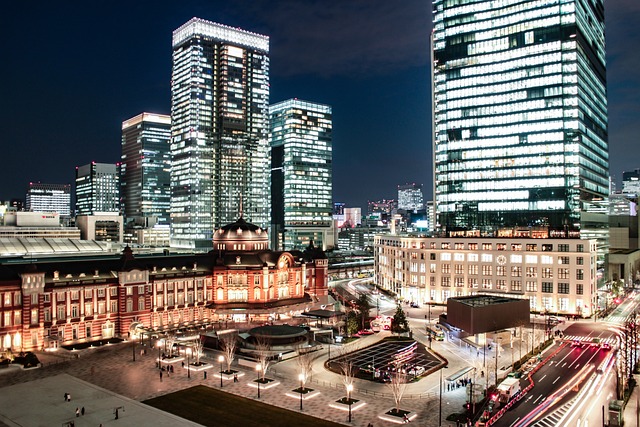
{"points": [[105, 378]]}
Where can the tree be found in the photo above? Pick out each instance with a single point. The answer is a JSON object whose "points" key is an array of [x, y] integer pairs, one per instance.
{"points": [[263, 351], [170, 340], [351, 323], [197, 349], [229, 345], [363, 307], [346, 366], [398, 383], [399, 323], [304, 362]]}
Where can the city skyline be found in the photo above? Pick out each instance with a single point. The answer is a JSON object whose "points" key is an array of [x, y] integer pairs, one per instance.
{"points": [[67, 99]]}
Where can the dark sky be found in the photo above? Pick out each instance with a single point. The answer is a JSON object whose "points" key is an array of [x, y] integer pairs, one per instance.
{"points": [[73, 71]]}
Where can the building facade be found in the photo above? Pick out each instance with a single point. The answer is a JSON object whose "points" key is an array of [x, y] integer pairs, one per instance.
{"points": [[301, 174], [49, 198], [555, 275], [145, 180], [410, 197], [97, 188], [47, 304], [520, 115], [219, 126]]}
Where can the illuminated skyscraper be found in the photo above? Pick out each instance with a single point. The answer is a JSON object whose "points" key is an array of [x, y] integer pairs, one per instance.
{"points": [[145, 170], [301, 174], [219, 126], [98, 188], [520, 115]]}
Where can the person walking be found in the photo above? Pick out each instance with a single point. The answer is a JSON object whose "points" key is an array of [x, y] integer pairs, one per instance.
{"points": [[160, 376], [77, 412], [82, 411]]}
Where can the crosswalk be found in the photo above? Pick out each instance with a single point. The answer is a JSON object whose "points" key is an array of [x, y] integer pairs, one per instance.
{"points": [[556, 417], [617, 320], [611, 339]]}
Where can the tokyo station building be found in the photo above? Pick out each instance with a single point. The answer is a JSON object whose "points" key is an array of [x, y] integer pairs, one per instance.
{"points": [[50, 302]]}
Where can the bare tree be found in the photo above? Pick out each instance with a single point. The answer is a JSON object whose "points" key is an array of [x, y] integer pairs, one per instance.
{"points": [[197, 348], [398, 384], [170, 340], [347, 367], [263, 350], [305, 362], [229, 344]]}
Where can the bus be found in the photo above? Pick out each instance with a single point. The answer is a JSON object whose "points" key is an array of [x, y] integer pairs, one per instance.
{"points": [[435, 334]]}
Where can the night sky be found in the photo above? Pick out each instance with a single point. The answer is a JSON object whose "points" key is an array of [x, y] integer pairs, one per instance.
{"points": [[73, 71]]}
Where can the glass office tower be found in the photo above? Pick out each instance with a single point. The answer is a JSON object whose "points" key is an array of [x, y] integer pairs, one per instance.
{"points": [[219, 126], [145, 170], [301, 174], [98, 188], [520, 115]]}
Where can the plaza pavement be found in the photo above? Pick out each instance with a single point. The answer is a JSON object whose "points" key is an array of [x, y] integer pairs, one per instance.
{"points": [[102, 379]]}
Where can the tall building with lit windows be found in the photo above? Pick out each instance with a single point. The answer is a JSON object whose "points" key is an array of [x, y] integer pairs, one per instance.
{"points": [[98, 188], [145, 169], [219, 127], [301, 174], [520, 116]]}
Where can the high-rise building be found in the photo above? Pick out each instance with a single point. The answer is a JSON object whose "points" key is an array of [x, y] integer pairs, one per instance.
{"points": [[301, 174], [520, 115], [49, 198], [97, 188], [631, 182], [145, 183], [410, 197], [383, 206], [219, 126]]}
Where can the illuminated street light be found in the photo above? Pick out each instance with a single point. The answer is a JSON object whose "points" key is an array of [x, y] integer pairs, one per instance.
{"points": [[301, 377], [349, 390], [258, 369], [220, 359]]}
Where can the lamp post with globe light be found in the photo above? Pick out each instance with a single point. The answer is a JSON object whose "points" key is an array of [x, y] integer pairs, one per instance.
{"points": [[258, 369], [220, 359], [301, 377], [349, 390], [159, 344]]}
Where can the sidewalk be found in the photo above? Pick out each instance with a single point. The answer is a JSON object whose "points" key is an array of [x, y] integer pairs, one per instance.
{"points": [[104, 378]]}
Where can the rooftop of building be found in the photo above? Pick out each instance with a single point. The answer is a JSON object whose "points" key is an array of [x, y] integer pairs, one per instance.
{"points": [[484, 300]]}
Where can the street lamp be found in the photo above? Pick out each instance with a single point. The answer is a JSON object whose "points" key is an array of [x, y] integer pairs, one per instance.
{"points": [[188, 351], [159, 344], [220, 359], [301, 378], [349, 390], [258, 369]]}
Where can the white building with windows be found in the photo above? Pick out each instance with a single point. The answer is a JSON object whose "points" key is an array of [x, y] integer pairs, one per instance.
{"points": [[556, 275]]}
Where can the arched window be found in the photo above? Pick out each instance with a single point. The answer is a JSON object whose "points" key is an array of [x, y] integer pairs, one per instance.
{"points": [[256, 293], [220, 294]]}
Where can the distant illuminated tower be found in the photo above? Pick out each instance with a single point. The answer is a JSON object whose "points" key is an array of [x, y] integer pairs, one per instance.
{"points": [[219, 126], [145, 169], [301, 173], [98, 188], [49, 198], [520, 115], [410, 197]]}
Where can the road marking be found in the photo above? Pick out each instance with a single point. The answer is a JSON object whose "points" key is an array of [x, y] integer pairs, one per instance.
{"points": [[543, 377], [515, 421], [563, 365], [539, 397], [577, 366], [556, 380]]}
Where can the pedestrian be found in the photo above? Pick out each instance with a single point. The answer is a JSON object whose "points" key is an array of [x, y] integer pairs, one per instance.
{"points": [[205, 375], [116, 413], [82, 411], [65, 396], [160, 376], [77, 412], [183, 363], [235, 378], [405, 418], [68, 397]]}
